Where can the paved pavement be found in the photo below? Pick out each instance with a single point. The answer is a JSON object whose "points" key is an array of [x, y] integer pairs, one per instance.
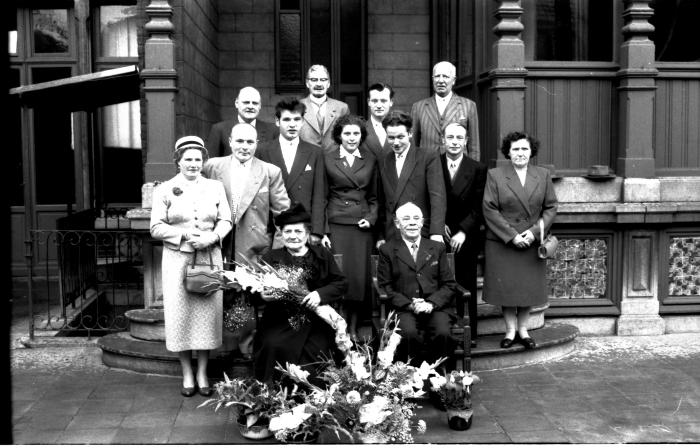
{"points": [[609, 390]]}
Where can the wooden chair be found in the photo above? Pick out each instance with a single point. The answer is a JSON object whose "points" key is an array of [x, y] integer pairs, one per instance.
{"points": [[461, 331]]}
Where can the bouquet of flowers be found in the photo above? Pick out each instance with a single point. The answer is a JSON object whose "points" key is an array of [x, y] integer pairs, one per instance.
{"points": [[369, 395], [286, 284], [454, 391]]}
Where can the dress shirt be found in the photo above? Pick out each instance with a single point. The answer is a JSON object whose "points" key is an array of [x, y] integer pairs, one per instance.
{"points": [[522, 175], [411, 250], [320, 110], [400, 159], [442, 103], [289, 151], [350, 156], [453, 165], [379, 130], [239, 179]]}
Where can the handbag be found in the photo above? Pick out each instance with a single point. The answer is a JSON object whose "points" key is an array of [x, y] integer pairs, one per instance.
{"points": [[202, 278], [548, 245]]}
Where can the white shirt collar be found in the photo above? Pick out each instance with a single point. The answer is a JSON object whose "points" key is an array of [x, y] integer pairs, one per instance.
{"points": [[344, 152], [284, 143], [456, 161], [403, 154], [445, 99], [376, 123], [410, 243], [241, 120]]}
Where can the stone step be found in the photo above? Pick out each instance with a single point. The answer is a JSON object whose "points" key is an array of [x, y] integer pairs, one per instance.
{"points": [[147, 324], [490, 320]]}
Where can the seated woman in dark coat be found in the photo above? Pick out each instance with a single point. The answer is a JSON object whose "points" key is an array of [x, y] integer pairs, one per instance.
{"points": [[289, 332]]}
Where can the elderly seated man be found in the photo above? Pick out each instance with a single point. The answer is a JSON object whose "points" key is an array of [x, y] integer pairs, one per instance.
{"points": [[420, 287]]}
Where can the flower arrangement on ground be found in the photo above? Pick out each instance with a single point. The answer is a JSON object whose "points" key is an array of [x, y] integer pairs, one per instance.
{"points": [[454, 391], [369, 396]]}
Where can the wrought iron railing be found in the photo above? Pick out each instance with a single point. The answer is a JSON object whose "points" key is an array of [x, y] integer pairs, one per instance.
{"points": [[81, 282]]}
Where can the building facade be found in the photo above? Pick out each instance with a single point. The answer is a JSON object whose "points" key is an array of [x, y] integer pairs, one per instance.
{"points": [[612, 84]]}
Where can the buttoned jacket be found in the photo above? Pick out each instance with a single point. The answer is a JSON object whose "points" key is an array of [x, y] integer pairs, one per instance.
{"points": [[465, 194], [352, 190]]}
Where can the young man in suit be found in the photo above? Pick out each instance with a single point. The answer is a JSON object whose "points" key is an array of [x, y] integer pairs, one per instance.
{"points": [[413, 174], [321, 111], [301, 164], [380, 99], [247, 110], [464, 184], [420, 285], [431, 114]]}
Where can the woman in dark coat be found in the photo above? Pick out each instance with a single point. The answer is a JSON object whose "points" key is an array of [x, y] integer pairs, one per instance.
{"points": [[516, 197], [290, 332], [351, 174]]}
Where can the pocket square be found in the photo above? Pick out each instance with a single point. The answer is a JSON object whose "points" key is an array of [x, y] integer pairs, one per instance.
{"points": [[434, 263], [308, 167]]}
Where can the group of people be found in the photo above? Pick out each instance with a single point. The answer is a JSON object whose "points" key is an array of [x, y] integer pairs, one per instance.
{"points": [[408, 187]]}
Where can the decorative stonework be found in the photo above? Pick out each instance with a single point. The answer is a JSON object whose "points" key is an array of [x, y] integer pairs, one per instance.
{"points": [[684, 266], [579, 269]]}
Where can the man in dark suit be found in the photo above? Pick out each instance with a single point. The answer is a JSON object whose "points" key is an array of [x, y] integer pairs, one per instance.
{"points": [[322, 111], [420, 285], [464, 184], [380, 99], [248, 108], [431, 114], [301, 164], [412, 174]]}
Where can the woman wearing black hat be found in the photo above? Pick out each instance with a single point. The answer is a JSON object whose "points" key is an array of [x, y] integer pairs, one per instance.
{"points": [[279, 338]]}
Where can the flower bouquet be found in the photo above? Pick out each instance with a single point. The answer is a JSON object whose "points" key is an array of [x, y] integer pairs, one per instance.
{"points": [[255, 404], [369, 396], [454, 391]]}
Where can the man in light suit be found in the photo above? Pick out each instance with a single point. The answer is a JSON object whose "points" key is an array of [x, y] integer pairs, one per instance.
{"points": [[380, 99], [301, 164], [464, 184], [431, 114], [248, 108], [410, 174], [254, 189], [419, 283], [321, 111]]}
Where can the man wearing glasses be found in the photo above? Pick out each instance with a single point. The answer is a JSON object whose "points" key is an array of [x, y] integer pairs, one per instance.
{"points": [[321, 111], [430, 115]]}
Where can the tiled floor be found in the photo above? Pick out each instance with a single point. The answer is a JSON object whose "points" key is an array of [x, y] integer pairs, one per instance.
{"points": [[610, 390]]}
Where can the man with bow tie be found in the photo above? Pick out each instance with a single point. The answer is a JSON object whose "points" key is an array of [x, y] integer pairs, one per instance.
{"points": [[301, 164], [464, 184], [420, 286]]}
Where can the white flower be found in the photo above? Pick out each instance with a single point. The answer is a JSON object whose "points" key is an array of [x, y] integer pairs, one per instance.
{"points": [[436, 382], [297, 372], [385, 358], [289, 420], [421, 426], [357, 365], [353, 397], [373, 413]]}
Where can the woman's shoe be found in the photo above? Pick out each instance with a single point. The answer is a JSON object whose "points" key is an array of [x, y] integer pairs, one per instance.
{"points": [[507, 343], [528, 343], [188, 391], [206, 391]]}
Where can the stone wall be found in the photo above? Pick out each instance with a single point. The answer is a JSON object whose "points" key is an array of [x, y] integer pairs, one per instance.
{"points": [[197, 64]]}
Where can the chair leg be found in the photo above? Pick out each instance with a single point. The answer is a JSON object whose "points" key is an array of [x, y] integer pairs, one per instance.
{"points": [[467, 355]]}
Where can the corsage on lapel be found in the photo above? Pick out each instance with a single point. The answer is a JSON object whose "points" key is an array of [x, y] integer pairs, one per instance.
{"points": [[177, 191]]}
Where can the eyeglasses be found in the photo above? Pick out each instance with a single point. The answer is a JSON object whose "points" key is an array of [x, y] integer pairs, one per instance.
{"points": [[318, 79]]}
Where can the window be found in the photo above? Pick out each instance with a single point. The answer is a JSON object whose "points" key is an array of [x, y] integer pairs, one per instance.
{"points": [[568, 30], [675, 24], [118, 31], [51, 31]]}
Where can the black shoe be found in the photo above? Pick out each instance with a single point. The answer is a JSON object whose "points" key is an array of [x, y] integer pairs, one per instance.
{"points": [[188, 391], [206, 391], [528, 343], [507, 343]]}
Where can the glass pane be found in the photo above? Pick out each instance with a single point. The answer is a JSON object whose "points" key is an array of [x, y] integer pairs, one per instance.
{"points": [[12, 33], [53, 152], [573, 30], [675, 23], [321, 34], [121, 125], [13, 133], [289, 4], [118, 31], [290, 48], [351, 42], [50, 30]]}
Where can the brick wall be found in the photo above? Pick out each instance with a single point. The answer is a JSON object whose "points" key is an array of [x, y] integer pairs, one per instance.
{"points": [[197, 64], [399, 48]]}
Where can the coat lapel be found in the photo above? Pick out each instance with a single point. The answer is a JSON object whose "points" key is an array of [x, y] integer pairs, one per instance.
{"points": [[531, 182], [406, 171], [309, 116], [276, 158], [514, 184], [300, 160], [463, 177], [252, 188], [390, 169], [402, 253], [344, 168], [452, 110], [331, 112], [425, 255], [433, 114]]}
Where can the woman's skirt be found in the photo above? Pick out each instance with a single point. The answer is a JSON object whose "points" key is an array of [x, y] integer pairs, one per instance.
{"points": [[356, 246], [512, 276], [192, 321]]}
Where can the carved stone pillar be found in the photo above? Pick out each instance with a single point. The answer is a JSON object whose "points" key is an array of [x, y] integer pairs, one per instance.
{"points": [[159, 77], [639, 308], [636, 92], [508, 76]]}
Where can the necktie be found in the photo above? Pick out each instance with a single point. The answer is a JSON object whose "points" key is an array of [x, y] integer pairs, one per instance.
{"points": [[453, 170], [414, 251], [319, 118]]}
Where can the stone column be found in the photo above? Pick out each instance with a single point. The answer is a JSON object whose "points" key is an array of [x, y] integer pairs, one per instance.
{"points": [[159, 77], [636, 92], [508, 76]]}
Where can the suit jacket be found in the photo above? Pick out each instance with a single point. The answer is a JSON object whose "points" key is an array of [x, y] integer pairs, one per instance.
{"points": [[306, 183], [464, 197], [352, 191], [174, 214], [421, 182], [264, 194], [427, 123], [510, 209], [217, 142], [311, 133], [429, 277], [372, 142]]}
